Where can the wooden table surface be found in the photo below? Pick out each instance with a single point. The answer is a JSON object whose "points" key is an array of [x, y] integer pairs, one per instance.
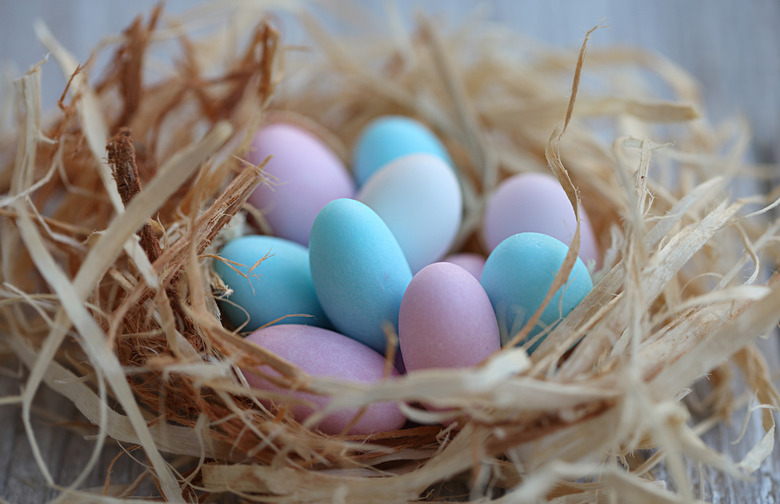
{"points": [[732, 47]]}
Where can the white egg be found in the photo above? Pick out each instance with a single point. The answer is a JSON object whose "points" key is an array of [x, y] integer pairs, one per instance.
{"points": [[419, 199]]}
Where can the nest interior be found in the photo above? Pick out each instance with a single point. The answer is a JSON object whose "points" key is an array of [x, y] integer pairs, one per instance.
{"points": [[113, 207]]}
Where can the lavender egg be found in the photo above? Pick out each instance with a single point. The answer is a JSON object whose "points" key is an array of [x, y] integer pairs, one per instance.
{"points": [[306, 175], [473, 263], [536, 203], [446, 320], [323, 353]]}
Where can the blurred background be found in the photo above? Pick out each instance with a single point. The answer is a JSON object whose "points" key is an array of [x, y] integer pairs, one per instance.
{"points": [[731, 47]]}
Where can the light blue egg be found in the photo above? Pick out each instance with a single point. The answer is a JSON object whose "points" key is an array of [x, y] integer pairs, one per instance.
{"points": [[359, 271], [518, 274], [277, 287], [390, 137]]}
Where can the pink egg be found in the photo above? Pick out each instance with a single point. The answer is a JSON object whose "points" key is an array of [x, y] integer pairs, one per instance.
{"points": [[320, 352], [473, 263], [446, 320], [536, 202], [306, 175]]}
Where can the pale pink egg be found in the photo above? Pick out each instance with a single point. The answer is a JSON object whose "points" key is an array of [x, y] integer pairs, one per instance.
{"points": [[446, 320], [536, 203], [473, 263], [306, 175], [324, 353]]}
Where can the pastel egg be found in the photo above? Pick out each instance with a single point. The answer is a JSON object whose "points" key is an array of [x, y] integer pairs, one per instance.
{"points": [[324, 353], [306, 175], [279, 286], [359, 271], [536, 202], [390, 137], [473, 263], [517, 276], [446, 320], [419, 199]]}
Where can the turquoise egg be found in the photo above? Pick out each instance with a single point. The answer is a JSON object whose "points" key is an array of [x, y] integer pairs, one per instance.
{"points": [[359, 271], [518, 274], [279, 287], [390, 137]]}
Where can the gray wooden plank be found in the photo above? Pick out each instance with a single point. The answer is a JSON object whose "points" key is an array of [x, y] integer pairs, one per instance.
{"points": [[65, 449], [20, 480], [721, 489], [763, 487]]}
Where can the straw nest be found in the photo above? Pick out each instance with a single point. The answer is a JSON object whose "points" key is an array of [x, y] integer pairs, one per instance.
{"points": [[112, 210]]}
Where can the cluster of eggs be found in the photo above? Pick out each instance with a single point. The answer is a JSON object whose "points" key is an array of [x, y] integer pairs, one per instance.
{"points": [[354, 259]]}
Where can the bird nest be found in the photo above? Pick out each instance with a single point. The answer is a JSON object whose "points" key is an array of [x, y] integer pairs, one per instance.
{"points": [[113, 209]]}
